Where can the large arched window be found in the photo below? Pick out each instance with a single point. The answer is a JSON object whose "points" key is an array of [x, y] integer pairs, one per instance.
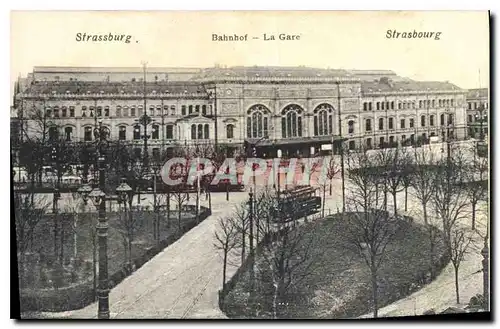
{"points": [[291, 121], [257, 121], [200, 131], [323, 119]]}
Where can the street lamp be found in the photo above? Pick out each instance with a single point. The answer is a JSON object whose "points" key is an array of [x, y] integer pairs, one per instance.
{"points": [[84, 191], [485, 262], [480, 117], [124, 192], [98, 196], [145, 120]]}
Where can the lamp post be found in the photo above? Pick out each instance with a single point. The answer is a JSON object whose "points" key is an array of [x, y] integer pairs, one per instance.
{"points": [[98, 196], [485, 262], [55, 199], [342, 169], [480, 117]]}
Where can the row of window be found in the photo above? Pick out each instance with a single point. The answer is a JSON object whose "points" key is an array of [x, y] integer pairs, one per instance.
{"points": [[197, 132], [402, 125], [477, 117], [369, 106], [477, 105], [122, 133], [125, 111], [291, 121]]}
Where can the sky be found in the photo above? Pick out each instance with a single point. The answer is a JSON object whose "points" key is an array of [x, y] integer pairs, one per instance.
{"points": [[328, 39]]}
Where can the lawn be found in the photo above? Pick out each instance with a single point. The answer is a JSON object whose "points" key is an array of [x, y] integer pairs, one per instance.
{"points": [[41, 265], [339, 285]]}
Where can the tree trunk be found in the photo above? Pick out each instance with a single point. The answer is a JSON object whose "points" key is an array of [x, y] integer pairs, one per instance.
{"points": [[179, 219], [385, 197], [224, 266], [130, 251], [75, 222], [456, 285], [275, 298], [424, 206], [394, 199], [61, 252], [406, 198], [375, 294], [55, 236], [431, 254], [474, 214], [376, 196], [227, 192], [330, 187], [243, 245]]}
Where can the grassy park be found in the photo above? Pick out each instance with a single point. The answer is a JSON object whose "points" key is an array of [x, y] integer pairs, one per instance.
{"points": [[70, 258], [337, 284]]}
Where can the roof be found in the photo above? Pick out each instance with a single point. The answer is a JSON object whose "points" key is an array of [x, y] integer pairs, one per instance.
{"points": [[388, 85], [94, 87], [97, 69], [269, 71], [477, 93]]}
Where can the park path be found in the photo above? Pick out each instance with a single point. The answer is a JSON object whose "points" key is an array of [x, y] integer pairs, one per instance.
{"points": [[182, 281]]}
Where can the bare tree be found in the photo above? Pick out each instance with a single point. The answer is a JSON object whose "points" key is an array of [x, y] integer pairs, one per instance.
{"points": [[370, 228], [450, 197], [477, 184], [226, 238], [459, 246], [332, 170], [423, 179], [37, 131], [289, 258], [422, 183], [28, 215], [180, 198], [242, 221], [390, 166], [127, 226]]}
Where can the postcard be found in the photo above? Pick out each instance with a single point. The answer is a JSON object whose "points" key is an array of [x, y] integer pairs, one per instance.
{"points": [[250, 164]]}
